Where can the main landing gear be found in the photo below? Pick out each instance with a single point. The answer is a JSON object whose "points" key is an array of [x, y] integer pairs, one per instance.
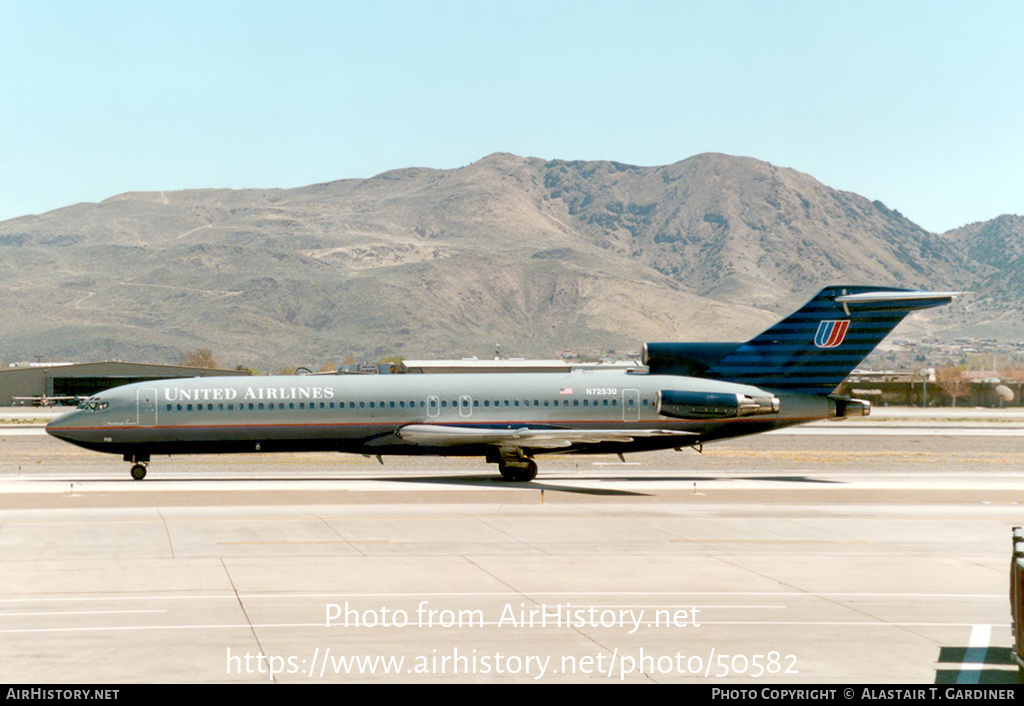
{"points": [[516, 466], [138, 471]]}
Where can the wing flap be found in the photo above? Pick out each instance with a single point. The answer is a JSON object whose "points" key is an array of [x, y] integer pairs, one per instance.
{"points": [[524, 437]]}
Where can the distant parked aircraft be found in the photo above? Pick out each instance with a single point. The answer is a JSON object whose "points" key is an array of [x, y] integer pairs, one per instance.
{"points": [[692, 393]]}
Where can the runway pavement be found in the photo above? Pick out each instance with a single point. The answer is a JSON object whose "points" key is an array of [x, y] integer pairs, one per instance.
{"points": [[837, 554]]}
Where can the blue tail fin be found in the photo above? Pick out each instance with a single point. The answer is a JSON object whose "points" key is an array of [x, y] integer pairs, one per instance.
{"points": [[812, 350]]}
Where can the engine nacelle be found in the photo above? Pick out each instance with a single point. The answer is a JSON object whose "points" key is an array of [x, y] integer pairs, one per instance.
{"points": [[691, 359], [713, 405], [842, 408]]}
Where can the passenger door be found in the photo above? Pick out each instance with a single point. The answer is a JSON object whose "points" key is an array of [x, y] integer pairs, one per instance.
{"points": [[631, 405], [145, 400]]}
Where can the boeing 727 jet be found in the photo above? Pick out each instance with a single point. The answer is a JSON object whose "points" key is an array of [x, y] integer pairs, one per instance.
{"points": [[690, 394]]}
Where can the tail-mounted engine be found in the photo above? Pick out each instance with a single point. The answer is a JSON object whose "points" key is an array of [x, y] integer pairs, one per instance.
{"points": [[713, 405], [845, 408]]}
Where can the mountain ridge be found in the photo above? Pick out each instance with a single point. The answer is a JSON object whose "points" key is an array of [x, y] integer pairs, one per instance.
{"points": [[536, 255]]}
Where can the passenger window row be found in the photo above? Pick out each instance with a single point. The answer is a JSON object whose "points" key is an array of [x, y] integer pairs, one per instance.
{"points": [[546, 403], [393, 404]]}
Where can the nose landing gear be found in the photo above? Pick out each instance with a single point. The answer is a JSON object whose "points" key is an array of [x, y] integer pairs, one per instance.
{"points": [[138, 462]]}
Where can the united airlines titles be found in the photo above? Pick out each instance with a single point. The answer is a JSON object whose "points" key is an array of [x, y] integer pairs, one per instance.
{"points": [[215, 394]]}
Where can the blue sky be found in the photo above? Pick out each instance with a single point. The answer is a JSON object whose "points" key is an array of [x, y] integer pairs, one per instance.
{"points": [[918, 104]]}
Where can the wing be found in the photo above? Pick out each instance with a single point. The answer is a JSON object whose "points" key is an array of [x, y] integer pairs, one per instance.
{"points": [[525, 437]]}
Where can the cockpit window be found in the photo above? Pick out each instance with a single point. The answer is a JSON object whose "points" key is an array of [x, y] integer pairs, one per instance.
{"points": [[94, 405]]}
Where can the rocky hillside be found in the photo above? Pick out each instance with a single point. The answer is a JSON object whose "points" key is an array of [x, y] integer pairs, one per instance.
{"points": [[537, 256], [995, 311]]}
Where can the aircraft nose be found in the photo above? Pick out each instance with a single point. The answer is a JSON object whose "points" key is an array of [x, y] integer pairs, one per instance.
{"points": [[59, 426]]}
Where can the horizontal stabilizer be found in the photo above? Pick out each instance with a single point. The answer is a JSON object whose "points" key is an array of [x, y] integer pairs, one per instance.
{"points": [[900, 296]]}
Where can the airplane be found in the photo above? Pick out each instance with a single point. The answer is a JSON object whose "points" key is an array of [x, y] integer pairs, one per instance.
{"points": [[690, 394]]}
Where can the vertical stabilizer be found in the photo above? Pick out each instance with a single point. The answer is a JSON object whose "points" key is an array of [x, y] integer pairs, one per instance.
{"points": [[813, 350]]}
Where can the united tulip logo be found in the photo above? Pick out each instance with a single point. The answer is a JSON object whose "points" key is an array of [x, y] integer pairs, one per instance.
{"points": [[831, 333]]}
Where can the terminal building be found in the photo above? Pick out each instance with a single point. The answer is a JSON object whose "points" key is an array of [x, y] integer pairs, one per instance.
{"points": [[922, 389], [65, 383]]}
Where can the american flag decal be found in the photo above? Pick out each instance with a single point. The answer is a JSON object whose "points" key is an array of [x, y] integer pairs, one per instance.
{"points": [[831, 333], [565, 391]]}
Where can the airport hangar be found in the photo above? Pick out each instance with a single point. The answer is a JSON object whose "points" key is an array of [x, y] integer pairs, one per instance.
{"points": [[64, 383]]}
